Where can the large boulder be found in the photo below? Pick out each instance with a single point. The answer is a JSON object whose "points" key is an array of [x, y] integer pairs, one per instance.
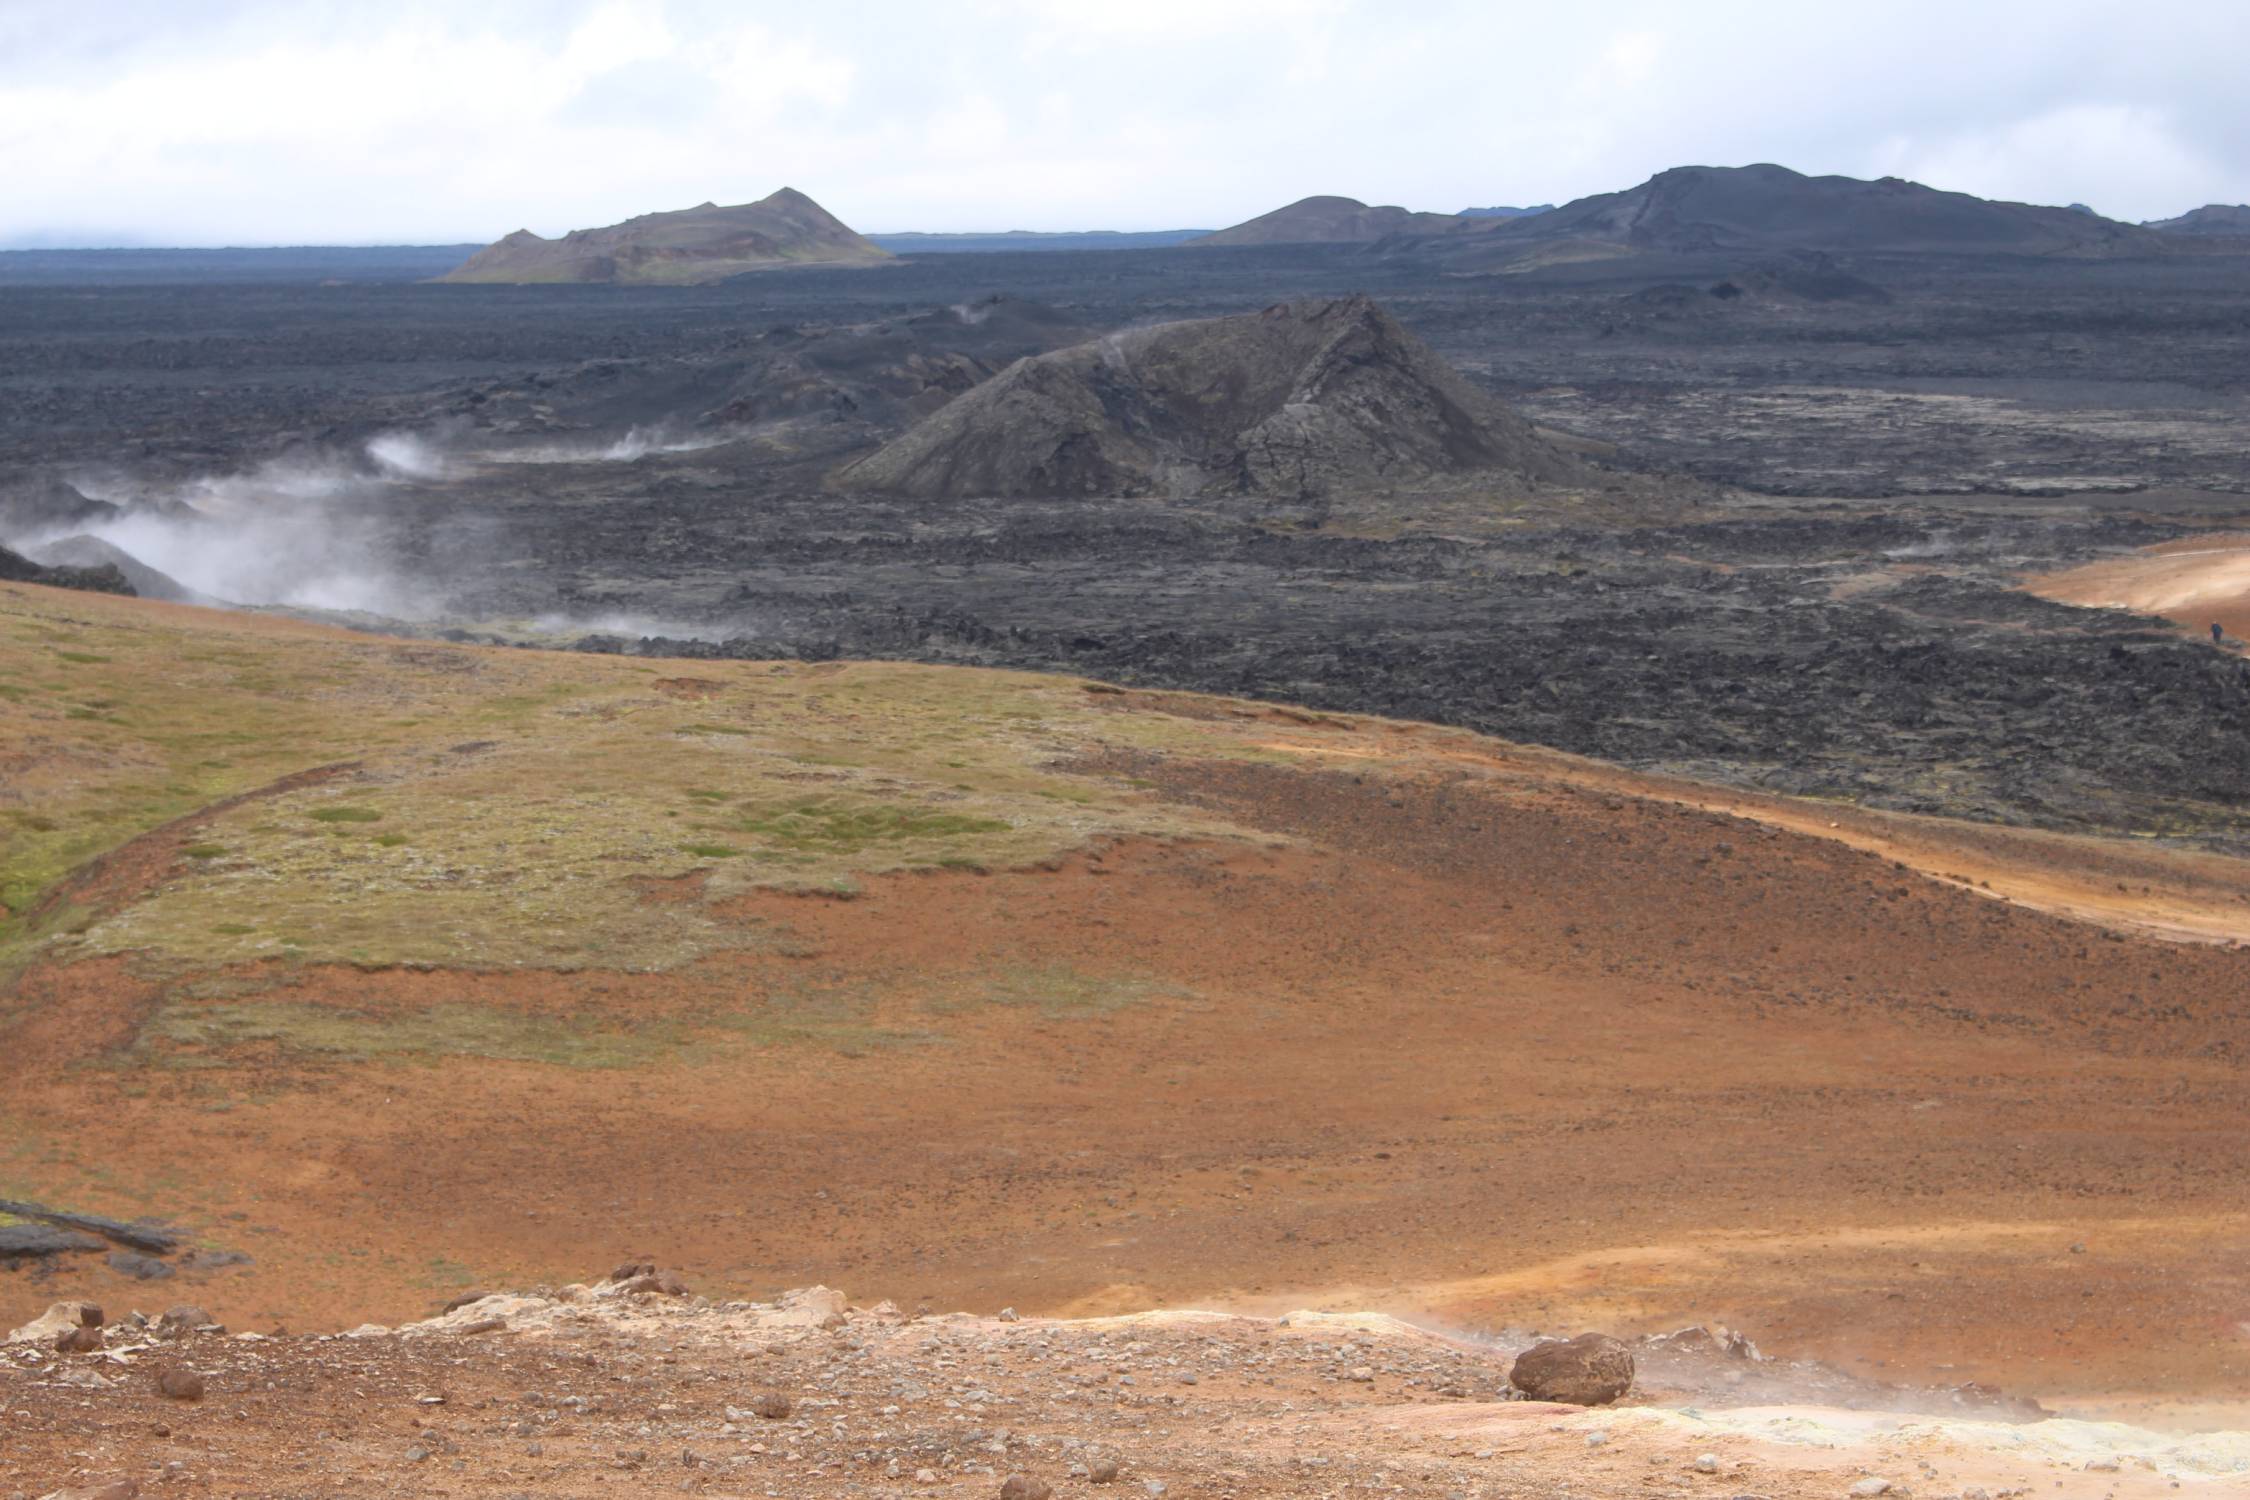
{"points": [[1592, 1369], [60, 1318]]}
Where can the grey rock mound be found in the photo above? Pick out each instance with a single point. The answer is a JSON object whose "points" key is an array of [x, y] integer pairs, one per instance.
{"points": [[91, 552], [16, 568], [46, 507], [1299, 401]]}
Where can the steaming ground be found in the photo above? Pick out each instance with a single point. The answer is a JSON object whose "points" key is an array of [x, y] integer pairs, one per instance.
{"points": [[1883, 653], [320, 532]]}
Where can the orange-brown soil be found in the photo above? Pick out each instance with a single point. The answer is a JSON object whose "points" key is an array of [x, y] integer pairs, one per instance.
{"points": [[2196, 582], [1492, 1037]]}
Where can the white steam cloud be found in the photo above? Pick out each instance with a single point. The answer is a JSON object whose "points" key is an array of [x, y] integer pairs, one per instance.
{"points": [[405, 455], [637, 443], [295, 532], [632, 626], [315, 530]]}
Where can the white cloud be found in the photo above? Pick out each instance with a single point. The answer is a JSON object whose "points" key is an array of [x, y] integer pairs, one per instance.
{"points": [[205, 121], [1630, 60], [2103, 154]]}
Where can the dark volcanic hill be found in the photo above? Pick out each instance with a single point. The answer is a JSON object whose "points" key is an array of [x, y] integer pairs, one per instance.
{"points": [[16, 568], [1295, 402], [692, 245], [92, 557], [2211, 218], [1502, 211], [1330, 221], [47, 507], [1694, 209]]}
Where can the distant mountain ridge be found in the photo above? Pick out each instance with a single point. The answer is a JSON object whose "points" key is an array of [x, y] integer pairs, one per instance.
{"points": [[680, 248], [1328, 220], [2211, 218], [1766, 207], [908, 242], [1505, 213]]}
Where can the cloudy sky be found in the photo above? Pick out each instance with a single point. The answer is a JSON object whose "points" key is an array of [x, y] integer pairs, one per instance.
{"points": [[329, 121]]}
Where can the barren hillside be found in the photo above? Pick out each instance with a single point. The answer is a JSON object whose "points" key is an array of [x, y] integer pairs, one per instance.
{"points": [[384, 970]]}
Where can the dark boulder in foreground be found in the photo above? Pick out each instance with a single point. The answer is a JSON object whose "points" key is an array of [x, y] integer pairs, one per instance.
{"points": [[1592, 1369], [1301, 400]]}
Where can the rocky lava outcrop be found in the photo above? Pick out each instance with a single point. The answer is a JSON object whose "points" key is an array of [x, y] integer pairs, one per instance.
{"points": [[1294, 402]]}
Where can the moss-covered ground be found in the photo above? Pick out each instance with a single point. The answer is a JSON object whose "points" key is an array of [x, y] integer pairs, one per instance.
{"points": [[492, 808]]}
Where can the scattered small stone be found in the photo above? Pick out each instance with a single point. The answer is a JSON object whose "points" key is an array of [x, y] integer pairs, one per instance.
{"points": [[771, 1405], [179, 1322], [483, 1325], [925, 1476], [1705, 1463], [179, 1384], [1869, 1488], [1155, 1488], [212, 1260], [417, 1454], [1007, 1315], [78, 1341], [1024, 1487], [1104, 1471], [100, 1489], [2104, 1465]]}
